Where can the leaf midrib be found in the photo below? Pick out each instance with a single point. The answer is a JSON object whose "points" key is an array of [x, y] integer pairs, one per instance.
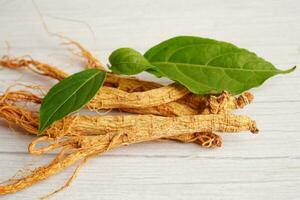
{"points": [[69, 98], [213, 67], [183, 47]]}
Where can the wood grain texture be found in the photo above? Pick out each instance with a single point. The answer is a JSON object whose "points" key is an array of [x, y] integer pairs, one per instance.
{"points": [[263, 166]]}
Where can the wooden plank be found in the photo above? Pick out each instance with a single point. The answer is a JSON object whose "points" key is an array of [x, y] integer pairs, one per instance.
{"points": [[111, 177]]}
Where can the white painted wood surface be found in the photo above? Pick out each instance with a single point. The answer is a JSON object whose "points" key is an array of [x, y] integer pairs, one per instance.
{"points": [[263, 166]]}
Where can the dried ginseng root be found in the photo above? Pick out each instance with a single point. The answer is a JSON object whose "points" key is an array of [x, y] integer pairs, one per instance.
{"points": [[112, 97], [204, 139], [86, 136], [108, 97], [140, 125], [29, 121], [93, 135], [97, 125], [195, 104]]}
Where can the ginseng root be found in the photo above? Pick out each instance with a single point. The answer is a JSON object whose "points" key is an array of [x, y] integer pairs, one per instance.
{"points": [[107, 97], [104, 124], [93, 135], [29, 121], [87, 136], [143, 124]]}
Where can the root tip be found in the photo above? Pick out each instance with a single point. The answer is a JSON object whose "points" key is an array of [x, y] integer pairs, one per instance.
{"points": [[253, 127]]}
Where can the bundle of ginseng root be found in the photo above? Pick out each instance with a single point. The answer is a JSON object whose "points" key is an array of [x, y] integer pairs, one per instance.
{"points": [[163, 112]]}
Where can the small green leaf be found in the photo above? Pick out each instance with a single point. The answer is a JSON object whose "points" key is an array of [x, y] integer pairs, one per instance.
{"points": [[200, 64], [70, 95], [128, 61]]}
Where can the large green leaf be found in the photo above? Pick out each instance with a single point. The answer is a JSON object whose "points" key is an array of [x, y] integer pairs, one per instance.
{"points": [[204, 65], [69, 95]]}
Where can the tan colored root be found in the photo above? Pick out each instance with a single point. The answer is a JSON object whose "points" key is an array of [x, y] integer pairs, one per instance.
{"points": [[88, 144], [70, 180], [123, 130], [57, 165], [128, 84], [189, 104], [85, 146], [20, 116], [91, 61], [20, 96], [157, 126], [114, 98], [14, 114], [170, 109], [204, 139], [108, 97], [124, 83], [29, 121], [209, 104], [25, 96], [35, 66], [142, 124], [217, 103]]}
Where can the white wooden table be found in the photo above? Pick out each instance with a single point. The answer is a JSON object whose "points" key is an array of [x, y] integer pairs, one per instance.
{"points": [[263, 166]]}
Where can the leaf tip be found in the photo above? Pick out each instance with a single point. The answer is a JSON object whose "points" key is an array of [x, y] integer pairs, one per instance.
{"points": [[289, 70]]}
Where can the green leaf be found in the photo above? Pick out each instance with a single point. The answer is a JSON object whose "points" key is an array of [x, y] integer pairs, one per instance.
{"points": [[70, 95], [203, 65], [128, 61]]}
